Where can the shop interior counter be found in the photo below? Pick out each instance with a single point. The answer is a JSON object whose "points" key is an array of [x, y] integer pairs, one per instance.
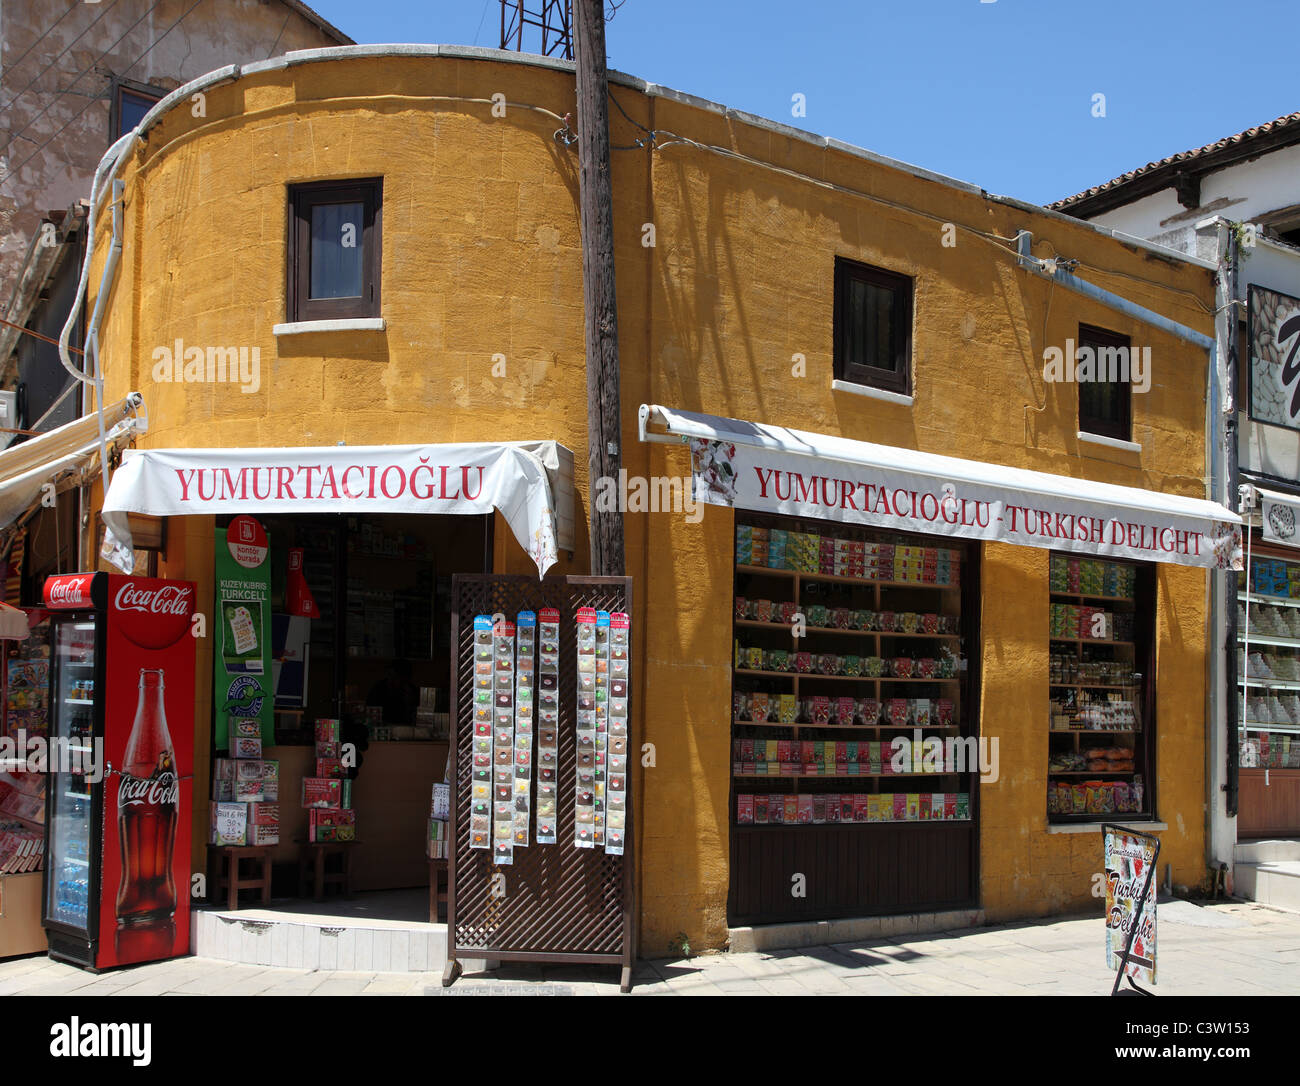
{"points": [[391, 796]]}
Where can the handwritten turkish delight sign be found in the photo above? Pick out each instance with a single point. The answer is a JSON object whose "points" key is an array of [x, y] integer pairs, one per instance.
{"points": [[1130, 877]]}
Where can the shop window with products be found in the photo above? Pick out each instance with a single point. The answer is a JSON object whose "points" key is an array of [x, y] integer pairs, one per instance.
{"points": [[1268, 692], [853, 721], [1101, 716]]}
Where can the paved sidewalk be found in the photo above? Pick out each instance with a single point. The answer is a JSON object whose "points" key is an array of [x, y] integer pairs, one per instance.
{"points": [[1230, 949]]}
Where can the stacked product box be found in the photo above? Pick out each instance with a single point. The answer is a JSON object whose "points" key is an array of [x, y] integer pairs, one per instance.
{"points": [[767, 809], [245, 797], [439, 814], [327, 796], [751, 545]]}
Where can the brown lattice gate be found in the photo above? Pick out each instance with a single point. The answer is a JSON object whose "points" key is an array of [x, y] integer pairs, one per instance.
{"points": [[554, 903]]}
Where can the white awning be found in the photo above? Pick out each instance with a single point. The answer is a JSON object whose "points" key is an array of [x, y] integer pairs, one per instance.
{"points": [[65, 457], [453, 478], [773, 469]]}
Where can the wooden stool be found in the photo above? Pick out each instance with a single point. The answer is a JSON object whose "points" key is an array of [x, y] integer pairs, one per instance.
{"points": [[312, 869], [226, 860], [437, 890]]}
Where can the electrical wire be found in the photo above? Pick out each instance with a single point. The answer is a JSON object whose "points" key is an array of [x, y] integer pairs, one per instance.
{"points": [[61, 55], [13, 64], [93, 101], [38, 335]]}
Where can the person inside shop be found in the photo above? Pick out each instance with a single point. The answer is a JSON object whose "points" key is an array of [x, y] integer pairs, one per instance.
{"points": [[396, 693]]}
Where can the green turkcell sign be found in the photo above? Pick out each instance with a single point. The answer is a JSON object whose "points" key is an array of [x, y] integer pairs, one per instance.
{"points": [[241, 664]]}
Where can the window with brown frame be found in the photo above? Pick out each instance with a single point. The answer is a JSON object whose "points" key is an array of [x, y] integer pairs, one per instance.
{"points": [[1106, 404], [873, 327], [130, 101], [334, 249]]}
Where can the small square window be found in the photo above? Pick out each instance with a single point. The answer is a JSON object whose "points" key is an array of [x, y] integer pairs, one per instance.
{"points": [[130, 103], [1105, 401], [334, 250], [873, 327]]}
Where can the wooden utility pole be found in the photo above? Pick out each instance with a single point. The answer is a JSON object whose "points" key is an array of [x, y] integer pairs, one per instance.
{"points": [[596, 197]]}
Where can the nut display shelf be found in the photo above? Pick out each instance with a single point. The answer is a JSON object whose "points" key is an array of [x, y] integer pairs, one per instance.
{"points": [[840, 776], [832, 578], [796, 675], [848, 727], [755, 624]]}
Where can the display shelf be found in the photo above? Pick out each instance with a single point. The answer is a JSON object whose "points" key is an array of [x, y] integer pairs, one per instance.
{"points": [[842, 776], [1092, 772], [1092, 641], [848, 727], [1095, 731], [1269, 684], [749, 827], [1270, 601], [1093, 686], [832, 578], [1271, 639], [1263, 726], [787, 628], [1089, 596]]}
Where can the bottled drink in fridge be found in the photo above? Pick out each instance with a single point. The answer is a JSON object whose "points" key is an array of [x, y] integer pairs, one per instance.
{"points": [[148, 803]]}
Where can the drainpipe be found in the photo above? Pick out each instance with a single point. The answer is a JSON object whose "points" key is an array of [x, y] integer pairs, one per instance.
{"points": [[107, 167], [1220, 410], [1224, 838]]}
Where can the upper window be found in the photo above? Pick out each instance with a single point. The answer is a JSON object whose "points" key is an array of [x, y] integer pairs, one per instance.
{"points": [[334, 249], [131, 101], [1105, 401], [873, 327]]}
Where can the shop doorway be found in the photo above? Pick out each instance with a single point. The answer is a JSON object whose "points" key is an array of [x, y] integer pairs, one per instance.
{"points": [[379, 660]]}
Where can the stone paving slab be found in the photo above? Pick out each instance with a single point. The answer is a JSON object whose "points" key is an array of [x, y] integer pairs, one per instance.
{"points": [[1227, 949]]}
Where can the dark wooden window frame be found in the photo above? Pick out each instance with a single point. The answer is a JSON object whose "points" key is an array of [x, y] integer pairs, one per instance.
{"points": [[369, 192], [900, 380], [1094, 337], [129, 86]]}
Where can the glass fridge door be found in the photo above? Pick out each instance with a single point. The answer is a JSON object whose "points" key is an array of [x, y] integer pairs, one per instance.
{"points": [[69, 796]]}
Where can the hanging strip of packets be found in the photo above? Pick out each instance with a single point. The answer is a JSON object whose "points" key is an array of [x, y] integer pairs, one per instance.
{"points": [[503, 744], [525, 674], [620, 635], [584, 801], [548, 724], [480, 810]]}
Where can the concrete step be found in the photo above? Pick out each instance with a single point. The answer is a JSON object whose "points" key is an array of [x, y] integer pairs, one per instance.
{"points": [[1276, 883], [294, 940], [1267, 851], [823, 932]]}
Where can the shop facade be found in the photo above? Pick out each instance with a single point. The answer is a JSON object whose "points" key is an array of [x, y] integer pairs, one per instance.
{"points": [[739, 305]]}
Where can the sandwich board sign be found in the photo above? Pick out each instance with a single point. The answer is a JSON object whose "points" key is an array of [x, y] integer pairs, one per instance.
{"points": [[1130, 865]]}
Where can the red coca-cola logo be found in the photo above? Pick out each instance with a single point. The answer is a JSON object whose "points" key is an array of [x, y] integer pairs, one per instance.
{"points": [[152, 613], [68, 591], [161, 791]]}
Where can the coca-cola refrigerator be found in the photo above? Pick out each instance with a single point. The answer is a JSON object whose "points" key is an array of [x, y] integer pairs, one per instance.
{"points": [[118, 806]]}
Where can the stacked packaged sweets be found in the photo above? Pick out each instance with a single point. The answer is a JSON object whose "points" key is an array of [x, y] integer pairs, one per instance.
{"points": [[327, 796], [245, 791], [439, 815]]}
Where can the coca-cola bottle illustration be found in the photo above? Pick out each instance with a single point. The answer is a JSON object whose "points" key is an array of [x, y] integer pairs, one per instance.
{"points": [[148, 801]]}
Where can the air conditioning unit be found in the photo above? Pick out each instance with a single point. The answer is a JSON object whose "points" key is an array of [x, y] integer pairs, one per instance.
{"points": [[8, 417]]}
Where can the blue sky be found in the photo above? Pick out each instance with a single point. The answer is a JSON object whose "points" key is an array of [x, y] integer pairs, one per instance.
{"points": [[998, 94]]}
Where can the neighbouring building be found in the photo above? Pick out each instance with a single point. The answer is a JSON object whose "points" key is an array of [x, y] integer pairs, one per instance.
{"points": [[355, 253], [1236, 202]]}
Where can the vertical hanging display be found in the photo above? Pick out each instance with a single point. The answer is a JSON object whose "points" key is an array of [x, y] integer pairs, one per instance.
{"points": [[480, 810], [503, 743], [620, 632], [602, 708], [525, 674], [584, 803], [548, 723]]}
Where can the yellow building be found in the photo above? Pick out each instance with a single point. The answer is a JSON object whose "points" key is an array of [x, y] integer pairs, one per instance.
{"points": [[768, 276]]}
